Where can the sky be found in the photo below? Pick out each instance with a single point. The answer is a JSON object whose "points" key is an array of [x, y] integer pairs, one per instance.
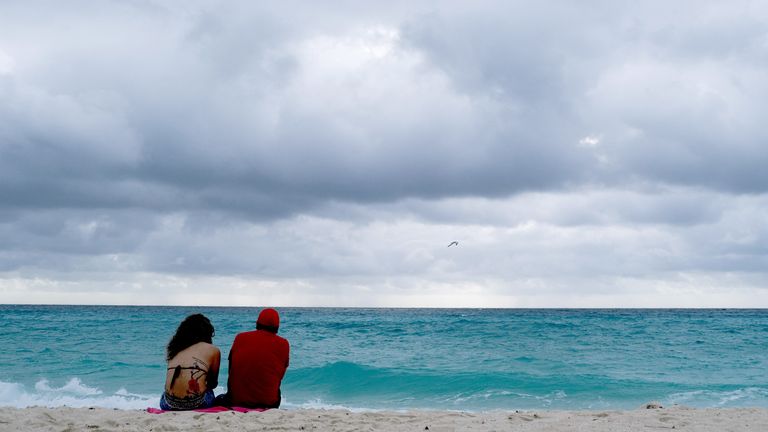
{"points": [[582, 154]]}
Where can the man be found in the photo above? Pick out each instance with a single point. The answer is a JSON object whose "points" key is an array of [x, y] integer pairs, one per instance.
{"points": [[257, 363]]}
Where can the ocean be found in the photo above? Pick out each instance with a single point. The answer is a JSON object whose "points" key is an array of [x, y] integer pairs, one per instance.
{"points": [[372, 359]]}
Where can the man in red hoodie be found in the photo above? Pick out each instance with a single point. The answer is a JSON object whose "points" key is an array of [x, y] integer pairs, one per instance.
{"points": [[257, 363]]}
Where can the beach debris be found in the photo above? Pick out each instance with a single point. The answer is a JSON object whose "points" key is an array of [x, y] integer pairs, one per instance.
{"points": [[652, 405]]}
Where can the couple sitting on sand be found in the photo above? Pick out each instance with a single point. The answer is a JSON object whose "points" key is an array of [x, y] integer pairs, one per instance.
{"points": [[257, 363]]}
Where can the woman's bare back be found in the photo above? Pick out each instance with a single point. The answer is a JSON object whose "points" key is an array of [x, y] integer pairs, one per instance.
{"points": [[193, 371]]}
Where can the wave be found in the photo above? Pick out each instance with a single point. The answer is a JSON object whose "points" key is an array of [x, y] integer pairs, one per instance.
{"points": [[72, 394], [355, 387], [749, 396], [346, 383]]}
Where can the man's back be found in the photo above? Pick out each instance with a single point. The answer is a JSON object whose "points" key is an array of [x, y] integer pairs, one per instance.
{"points": [[257, 363]]}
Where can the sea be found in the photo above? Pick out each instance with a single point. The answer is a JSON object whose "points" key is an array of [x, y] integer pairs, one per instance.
{"points": [[404, 359]]}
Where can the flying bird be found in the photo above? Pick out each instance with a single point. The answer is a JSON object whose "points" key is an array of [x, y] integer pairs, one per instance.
{"points": [[453, 243]]}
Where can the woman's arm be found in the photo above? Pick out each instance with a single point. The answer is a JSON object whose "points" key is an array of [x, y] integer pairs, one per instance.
{"points": [[213, 372]]}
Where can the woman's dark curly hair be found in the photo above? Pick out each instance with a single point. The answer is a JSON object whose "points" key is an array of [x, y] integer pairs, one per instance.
{"points": [[195, 328]]}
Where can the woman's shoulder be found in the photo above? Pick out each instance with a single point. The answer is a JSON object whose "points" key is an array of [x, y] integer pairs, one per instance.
{"points": [[200, 349], [206, 347]]}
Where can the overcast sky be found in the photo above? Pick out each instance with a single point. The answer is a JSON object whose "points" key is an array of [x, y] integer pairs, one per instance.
{"points": [[583, 154]]}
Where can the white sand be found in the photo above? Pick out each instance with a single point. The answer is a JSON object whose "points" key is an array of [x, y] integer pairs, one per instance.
{"points": [[100, 419]]}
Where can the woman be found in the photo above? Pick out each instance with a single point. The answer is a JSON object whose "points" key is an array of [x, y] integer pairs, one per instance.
{"points": [[193, 366]]}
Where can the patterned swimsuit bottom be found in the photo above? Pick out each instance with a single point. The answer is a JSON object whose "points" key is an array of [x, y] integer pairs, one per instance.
{"points": [[170, 402]]}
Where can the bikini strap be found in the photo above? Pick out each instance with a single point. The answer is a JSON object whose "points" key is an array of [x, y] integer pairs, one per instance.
{"points": [[176, 374]]}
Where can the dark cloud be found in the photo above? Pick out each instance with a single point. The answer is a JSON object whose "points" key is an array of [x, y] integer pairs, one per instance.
{"points": [[341, 144], [466, 101], [217, 101], [676, 100]]}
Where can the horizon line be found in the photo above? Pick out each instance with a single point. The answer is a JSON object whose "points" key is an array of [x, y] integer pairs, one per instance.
{"points": [[389, 307]]}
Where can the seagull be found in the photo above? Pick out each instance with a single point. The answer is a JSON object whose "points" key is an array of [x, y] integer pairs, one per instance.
{"points": [[453, 243]]}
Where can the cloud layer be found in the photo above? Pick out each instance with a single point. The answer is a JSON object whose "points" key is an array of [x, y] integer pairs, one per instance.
{"points": [[582, 155]]}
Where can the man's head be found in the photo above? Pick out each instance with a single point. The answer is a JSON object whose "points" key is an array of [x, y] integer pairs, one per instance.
{"points": [[268, 320]]}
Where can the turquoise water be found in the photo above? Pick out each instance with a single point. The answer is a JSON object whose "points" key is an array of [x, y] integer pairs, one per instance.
{"points": [[404, 358]]}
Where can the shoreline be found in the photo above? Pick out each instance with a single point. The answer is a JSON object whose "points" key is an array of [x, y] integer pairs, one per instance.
{"points": [[102, 419]]}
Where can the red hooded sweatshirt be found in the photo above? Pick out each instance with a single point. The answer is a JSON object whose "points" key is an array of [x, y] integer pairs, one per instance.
{"points": [[257, 363]]}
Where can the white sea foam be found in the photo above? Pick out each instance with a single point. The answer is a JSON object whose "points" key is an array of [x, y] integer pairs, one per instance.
{"points": [[319, 404], [462, 399], [72, 394], [749, 396], [74, 387]]}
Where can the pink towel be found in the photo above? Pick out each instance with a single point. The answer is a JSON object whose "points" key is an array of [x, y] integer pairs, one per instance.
{"points": [[216, 409]]}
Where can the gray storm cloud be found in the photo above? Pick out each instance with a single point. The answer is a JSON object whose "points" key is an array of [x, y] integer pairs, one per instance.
{"points": [[596, 148]]}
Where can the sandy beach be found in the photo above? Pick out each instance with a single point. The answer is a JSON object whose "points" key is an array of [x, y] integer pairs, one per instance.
{"points": [[100, 419]]}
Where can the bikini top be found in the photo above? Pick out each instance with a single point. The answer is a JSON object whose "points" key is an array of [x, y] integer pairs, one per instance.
{"points": [[177, 371]]}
